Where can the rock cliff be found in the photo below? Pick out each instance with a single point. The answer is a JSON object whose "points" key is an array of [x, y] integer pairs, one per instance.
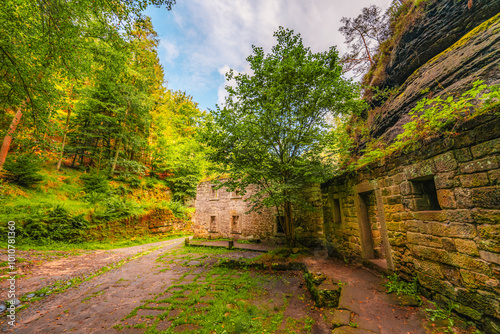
{"points": [[444, 51]]}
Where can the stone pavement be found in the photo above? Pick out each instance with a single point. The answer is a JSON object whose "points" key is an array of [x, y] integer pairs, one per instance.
{"points": [[364, 307], [237, 245]]}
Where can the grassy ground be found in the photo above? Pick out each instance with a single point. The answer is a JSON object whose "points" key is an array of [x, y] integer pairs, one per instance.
{"points": [[209, 298]]}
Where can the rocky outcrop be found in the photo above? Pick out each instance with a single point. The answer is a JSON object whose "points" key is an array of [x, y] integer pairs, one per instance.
{"points": [[476, 55], [442, 25]]}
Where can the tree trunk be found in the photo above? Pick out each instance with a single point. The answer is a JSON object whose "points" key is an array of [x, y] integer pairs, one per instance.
{"points": [[8, 138], [64, 140], [289, 232], [115, 159]]}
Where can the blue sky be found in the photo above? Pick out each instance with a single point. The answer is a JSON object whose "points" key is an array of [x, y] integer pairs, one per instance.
{"points": [[200, 40]]}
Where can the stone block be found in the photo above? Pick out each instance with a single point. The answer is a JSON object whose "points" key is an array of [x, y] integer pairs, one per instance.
{"points": [[463, 198], [423, 239], [428, 268], [490, 257], [436, 284], [439, 216], [429, 253], [474, 280], [463, 154], [446, 198], [445, 162], [489, 147], [486, 197], [494, 176], [468, 312], [448, 244], [398, 178], [452, 230], [481, 165], [466, 262], [475, 300], [468, 247], [474, 180], [341, 318], [446, 180], [419, 170], [460, 216]]}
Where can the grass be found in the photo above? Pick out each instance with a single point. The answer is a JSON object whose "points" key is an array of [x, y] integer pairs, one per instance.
{"points": [[215, 300], [97, 245]]}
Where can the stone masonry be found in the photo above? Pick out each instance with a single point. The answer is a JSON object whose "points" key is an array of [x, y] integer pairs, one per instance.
{"points": [[434, 214], [223, 214]]}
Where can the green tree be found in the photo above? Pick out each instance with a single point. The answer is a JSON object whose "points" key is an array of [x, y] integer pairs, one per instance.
{"points": [[271, 129], [44, 41]]}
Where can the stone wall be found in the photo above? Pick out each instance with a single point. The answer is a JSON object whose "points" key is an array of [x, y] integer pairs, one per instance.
{"points": [[157, 221], [433, 214], [222, 214]]}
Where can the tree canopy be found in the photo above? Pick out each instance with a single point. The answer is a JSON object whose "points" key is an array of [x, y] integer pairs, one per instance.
{"points": [[271, 129]]}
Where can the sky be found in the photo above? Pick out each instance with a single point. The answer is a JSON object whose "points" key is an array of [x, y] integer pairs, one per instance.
{"points": [[200, 40]]}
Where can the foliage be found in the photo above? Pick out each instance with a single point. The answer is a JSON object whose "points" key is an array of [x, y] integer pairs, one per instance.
{"points": [[95, 182], [395, 284], [178, 209], [441, 115], [438, 313], [54, 224], [271, 128], [23, 169]]}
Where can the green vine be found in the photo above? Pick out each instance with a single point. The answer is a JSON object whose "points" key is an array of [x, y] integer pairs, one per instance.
{"points": [[441, 115]]}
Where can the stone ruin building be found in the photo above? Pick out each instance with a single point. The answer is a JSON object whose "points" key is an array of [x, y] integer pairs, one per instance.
{"points": [[433, 213]]}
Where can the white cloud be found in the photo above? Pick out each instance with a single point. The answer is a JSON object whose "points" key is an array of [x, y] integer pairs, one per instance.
{"points": [[171, 51], [217, 35]]}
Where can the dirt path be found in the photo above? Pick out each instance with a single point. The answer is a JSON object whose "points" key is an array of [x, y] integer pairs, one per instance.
{"points": [[169, 292], [176, 289], [50, 267]]}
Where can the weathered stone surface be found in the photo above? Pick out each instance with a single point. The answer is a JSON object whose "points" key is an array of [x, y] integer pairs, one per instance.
{"points": [[486, 197], [467, 262], [479, 165], [446, 198], [341, 318], [442, 25], [482, 216], [429, 268], [489, 147], [474, 180], [468, 312], [446, 180], [463, 154], [473, 279], [455, 230], [419, 170], [472, 57], [468, 247], [490, 257], [445, 162], [429, 253]]}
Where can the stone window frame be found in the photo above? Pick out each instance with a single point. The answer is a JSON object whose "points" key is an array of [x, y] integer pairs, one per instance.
{"points": [[210, 230], [210, 193], [337, 204], [235, 194], [240, 222], [426, 185]]}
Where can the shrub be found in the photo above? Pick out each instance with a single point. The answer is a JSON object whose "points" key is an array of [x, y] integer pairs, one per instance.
{"points": [[23, 170], [95, 182]]}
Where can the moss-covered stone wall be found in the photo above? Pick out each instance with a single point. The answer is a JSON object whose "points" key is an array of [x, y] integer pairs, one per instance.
{"points": [[433, 213]]}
